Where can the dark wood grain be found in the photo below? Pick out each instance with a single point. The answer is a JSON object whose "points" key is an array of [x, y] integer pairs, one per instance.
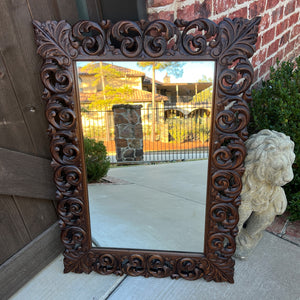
{"points": [[21, 63], [67, 11], [25, 175], [59, 10], [44, 9], [20, 268], [95, 10], [230, 44], [43, 211], [13, 132], [15, 236]]}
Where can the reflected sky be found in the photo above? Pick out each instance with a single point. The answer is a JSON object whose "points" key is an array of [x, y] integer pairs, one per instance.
{"points": [[192, 71]]}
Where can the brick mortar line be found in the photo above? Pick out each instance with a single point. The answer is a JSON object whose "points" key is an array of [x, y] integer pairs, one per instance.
{"points": [[279, 50], [282, 47], [176, 5], [266, 46], [231, 10], [181, 5], [274, 24]]}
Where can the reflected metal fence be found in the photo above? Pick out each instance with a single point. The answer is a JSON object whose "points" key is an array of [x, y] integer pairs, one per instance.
{"points": [[179, 132]]}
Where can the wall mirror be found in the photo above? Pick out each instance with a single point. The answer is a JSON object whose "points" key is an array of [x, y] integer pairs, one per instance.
{"points": [[202, 227], [152, 196]]}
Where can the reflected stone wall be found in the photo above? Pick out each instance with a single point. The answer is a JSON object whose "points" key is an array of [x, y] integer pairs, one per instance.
{"points": [[128, 132]]}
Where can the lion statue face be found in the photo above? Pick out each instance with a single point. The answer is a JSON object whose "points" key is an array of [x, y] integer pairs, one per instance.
{"points": [[270, 157]]}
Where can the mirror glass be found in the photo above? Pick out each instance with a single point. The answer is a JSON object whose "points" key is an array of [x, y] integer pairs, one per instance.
{"points": [[154, 194]]}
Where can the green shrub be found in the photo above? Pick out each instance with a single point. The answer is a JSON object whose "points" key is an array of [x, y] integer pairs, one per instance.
{"points": [[276, 106], [96, 160]]}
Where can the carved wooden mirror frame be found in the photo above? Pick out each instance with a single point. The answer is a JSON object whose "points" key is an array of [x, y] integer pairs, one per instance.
{"points": [[230, 44]]}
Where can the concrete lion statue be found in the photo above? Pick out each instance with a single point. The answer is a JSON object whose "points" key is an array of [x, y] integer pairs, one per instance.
{"points": [[268, 166]]}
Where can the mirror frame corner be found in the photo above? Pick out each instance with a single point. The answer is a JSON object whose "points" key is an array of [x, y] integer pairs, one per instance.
{"points": [[230, 44]]}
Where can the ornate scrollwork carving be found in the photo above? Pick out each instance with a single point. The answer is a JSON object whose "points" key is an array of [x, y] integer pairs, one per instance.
{"points": [[70, 207], [158, 266], [227, 182], [129, 35], [134, 265], [230, 44], [223, 244], [64, 152], [224, 215], [105, 264], [157, 35], [53, 39], [90, 36], [56, 79], [235, 40], [229, 157], [68, 180], [74, 238], [60, 117], [196, 44], [237, 80], [190, 269]]}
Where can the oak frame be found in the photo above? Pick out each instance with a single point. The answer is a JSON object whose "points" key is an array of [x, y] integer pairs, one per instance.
{"points": [[230, 44]]}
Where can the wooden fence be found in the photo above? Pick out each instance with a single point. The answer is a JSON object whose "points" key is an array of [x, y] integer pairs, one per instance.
{"points": [[30, 236]]}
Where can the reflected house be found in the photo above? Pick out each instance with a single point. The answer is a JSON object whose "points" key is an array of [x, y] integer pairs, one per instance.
{"points": [[113, 80], [111, 84], [184, 99], [104, 118]]}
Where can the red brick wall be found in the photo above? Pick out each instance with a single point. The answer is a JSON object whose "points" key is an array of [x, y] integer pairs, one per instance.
{"points": [[279, 31]]}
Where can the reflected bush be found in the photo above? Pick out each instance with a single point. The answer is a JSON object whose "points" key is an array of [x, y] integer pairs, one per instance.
{"points": [[188, 130], [96, 160]]}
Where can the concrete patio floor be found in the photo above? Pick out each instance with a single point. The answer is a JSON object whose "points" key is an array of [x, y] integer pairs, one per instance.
{"points": [[272, 272], [150, 206]]}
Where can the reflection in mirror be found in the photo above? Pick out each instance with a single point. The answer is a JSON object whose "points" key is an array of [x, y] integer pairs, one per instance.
{"points": [[154, 196]]}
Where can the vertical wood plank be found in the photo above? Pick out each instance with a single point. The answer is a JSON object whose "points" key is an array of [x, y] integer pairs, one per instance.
{"points": [[95, 11], [43, 10], [13, 232], [38, 214], [13, 131], [23, 66], [67, 10]]}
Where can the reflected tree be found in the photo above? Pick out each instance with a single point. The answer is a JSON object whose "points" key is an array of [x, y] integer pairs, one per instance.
{"points": [[173, 68]]}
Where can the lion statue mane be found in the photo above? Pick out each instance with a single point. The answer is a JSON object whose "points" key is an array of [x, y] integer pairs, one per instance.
{"points": [[268, 166]]}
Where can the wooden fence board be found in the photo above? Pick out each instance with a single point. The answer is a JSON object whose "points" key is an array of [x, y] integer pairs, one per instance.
{"points": [[38, 214], [25, 179], [14, 236], [43, 10], [20, 268], [68, 11], [13, 131], [23, 64], [25, 175], [94, 9]]}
